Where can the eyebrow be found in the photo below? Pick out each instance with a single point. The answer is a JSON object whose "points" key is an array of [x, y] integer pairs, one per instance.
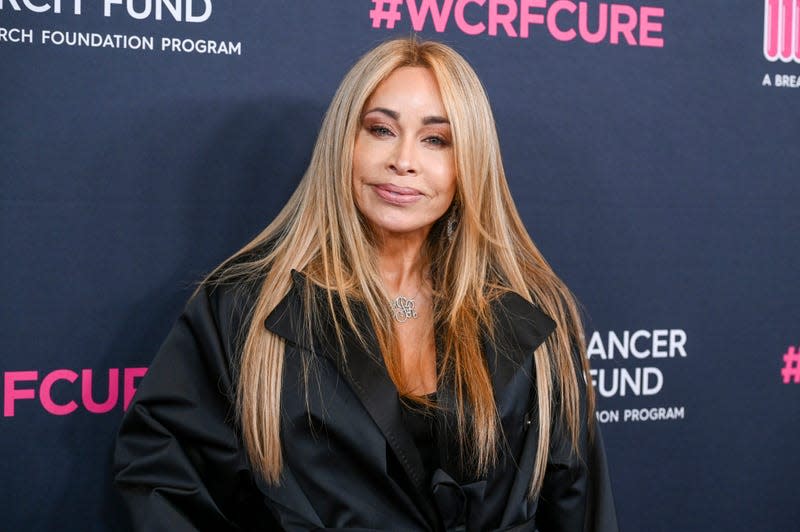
{"points": [[428, 120]]}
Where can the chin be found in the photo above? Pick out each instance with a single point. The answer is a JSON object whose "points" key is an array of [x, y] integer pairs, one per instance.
{"points": [[399, 228]]}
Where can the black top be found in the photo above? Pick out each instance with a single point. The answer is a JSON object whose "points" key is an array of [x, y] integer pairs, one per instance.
{"points": [[420, 421]]}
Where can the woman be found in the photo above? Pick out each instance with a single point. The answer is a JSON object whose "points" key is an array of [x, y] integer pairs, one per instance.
{"points": [[391, 353]]}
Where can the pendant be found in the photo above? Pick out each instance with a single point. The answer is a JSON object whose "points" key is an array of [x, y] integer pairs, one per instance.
{"points": [[403, 309]]}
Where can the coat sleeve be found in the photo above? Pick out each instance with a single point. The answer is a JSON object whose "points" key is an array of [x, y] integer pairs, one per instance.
{"points": [[178, 462], [576, 493]]}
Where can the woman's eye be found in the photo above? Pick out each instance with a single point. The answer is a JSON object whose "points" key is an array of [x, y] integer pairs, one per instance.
{"points": [[436, 141], [380, 131]]}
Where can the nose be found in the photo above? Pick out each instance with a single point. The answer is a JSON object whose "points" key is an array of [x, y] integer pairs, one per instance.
{"points": [[404, 158]]}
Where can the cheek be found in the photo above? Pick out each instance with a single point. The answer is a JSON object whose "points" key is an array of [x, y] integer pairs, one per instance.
{"points": [[356, 163], [366, 151], [359, 170], [447, 178]]}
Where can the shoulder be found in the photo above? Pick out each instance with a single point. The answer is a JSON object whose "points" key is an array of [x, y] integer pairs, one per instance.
{"points": [[228, 294]]}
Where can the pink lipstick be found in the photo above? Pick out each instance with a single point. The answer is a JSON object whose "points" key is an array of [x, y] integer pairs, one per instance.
{"points": [[397, 195]]}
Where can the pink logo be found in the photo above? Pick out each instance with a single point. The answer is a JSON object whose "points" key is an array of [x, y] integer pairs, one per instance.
{"points": [[782, 30], [385, 11], [563, 20], [23, 385], [791, 366]]}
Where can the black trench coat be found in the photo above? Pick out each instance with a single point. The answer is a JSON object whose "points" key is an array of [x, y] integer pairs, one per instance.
{"points": [[349, 462]]}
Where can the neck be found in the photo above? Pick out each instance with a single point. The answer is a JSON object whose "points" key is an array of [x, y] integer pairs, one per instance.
{"points": [[401, 265]]}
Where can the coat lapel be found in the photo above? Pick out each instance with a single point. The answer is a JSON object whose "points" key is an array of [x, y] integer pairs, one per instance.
{"points": [[520, 327]]}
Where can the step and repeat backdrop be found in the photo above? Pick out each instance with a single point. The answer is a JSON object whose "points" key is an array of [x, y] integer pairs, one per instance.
{"points": [[652, 147]]}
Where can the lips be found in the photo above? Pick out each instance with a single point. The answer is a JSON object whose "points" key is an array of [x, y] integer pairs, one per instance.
{"points": [[397, 195]]}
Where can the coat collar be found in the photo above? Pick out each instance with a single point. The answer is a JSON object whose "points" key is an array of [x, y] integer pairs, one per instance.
{"points": [[520, 327]]}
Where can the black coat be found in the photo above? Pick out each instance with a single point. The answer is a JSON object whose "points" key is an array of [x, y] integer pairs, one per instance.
{"points": [[349, 462]]}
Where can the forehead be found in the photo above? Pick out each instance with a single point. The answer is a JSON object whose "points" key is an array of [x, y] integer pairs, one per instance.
{"points": [[409, 89]]}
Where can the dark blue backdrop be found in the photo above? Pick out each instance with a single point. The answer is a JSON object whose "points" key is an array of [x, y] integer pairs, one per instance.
{"points": [[660, 180]]}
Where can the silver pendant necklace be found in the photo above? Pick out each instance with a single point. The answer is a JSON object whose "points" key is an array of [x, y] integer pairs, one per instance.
{"points": [[403, 308]]}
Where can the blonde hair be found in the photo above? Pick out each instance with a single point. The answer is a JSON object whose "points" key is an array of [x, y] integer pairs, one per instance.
{"points": [[320, 233]]}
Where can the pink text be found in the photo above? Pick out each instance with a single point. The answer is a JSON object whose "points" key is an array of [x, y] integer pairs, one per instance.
{"points": [[79, 387], [564, 20]]}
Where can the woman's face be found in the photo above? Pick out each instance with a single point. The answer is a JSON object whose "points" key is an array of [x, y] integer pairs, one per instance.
{"points": [[403, 169]]}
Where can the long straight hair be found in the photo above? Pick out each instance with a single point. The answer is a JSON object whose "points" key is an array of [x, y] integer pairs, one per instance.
{"points": [[320, 233]]}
